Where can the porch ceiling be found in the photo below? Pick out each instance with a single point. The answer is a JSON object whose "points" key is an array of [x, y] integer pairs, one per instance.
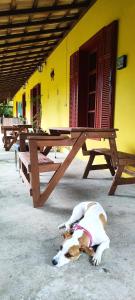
{"points": [[29, 31]]}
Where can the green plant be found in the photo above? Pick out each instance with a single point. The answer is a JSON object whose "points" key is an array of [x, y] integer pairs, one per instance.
{"points": [[22, 119], [6, 110]]}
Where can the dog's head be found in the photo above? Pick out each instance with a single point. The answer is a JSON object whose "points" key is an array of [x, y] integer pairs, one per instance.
{"points": [[71, 249]]}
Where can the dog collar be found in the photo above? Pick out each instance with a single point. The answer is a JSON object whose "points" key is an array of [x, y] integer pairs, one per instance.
{"points": [[79, 227]]}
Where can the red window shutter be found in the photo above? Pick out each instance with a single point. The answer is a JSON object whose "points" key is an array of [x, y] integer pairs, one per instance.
{"points": [[83, 89], [107, 63], [24, 105], [16, 109], [38, 89], [73, 105], [31, 105]]}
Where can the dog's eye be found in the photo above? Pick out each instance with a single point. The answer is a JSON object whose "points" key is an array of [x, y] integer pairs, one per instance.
{"points": [[61, 247], [68, 255]]}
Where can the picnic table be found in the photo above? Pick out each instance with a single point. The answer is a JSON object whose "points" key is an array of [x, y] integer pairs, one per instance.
{"points": [[11, 134], [34, 164]]}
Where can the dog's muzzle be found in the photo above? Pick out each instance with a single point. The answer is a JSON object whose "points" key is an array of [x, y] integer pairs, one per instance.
{"points": [[54, 262]]}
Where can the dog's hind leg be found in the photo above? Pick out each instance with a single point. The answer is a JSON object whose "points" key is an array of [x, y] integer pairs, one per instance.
{"points": [[77, 214]]}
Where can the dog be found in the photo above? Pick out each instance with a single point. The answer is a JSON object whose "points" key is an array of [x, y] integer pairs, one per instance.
{"points": [[84, 231]]}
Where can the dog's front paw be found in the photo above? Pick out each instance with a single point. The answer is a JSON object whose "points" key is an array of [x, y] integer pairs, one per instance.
{"points": [[64, 226], [95, 259]]}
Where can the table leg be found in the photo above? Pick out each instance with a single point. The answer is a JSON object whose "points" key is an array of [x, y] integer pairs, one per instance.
{"points": [[61, 170], [34, 173]]}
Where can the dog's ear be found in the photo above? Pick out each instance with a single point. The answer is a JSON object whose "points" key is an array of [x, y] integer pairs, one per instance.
{"points": [[88, 250], [67, 234]]}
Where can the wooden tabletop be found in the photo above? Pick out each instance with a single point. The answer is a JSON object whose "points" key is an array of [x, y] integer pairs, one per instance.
{"points": [[80, 129], [16, 127]]}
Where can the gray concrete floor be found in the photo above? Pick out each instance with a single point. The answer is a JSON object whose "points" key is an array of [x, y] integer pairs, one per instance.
{"points": [[29, 238]]}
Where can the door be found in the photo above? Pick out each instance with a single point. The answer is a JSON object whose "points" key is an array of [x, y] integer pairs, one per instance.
{"points": [[36, 105]]}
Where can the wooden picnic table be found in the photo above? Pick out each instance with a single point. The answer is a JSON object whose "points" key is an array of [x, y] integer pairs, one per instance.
{"points": [[11, 134], [74, 137]]}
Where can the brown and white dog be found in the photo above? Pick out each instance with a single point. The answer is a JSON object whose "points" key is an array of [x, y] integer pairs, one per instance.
{"points": [[83, 235]]}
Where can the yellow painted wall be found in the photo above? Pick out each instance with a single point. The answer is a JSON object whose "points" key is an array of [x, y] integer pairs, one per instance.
{"points": [[55, 93]]}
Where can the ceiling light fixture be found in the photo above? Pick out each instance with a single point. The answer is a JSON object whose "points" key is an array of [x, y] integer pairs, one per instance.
{"points": [[40, 68]]}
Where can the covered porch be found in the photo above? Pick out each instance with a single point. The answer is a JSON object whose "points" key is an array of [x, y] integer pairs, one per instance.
{"points": [[30, 238], [66, 63]]}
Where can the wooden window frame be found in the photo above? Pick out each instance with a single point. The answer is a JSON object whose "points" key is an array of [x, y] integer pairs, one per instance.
{"points": [[105, 45], [37, 102]]}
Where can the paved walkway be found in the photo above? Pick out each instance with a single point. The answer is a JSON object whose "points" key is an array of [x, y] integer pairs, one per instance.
{"points": [[29, 238]]}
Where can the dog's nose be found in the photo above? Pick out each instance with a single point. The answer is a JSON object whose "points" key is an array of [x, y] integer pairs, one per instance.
{"points": [[54, 262]]}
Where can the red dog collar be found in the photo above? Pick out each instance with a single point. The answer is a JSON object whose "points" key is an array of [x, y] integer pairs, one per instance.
{"points": [[79, 227]]}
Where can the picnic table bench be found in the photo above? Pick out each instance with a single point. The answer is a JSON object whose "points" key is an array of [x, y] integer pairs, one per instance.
{"points": [[22, 143], [118, 163]]}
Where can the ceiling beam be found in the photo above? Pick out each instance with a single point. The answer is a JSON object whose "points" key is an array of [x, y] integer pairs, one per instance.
{"points": [[13, 87], [16, 62], [6, 51], [12, 84], [16, 57], [39, 22], [33, 33], [21, 72], [14, 73], [17, 69], [5, 78], [12, 81], [48, 38], [46, 9]]}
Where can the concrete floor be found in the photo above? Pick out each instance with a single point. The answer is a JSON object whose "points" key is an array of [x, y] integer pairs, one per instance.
{"points": [[29, 238]]}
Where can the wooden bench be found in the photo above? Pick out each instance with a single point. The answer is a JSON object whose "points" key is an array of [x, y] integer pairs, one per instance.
{"points": [[123, 162], [45, 164], [96, 152], [117, 162], [22, 143], [32, 163]]}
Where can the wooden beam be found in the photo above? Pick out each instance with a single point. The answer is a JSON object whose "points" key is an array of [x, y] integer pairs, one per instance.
{"points": [[23, 73], [33, 33], [14, 73], [12, 84], [16, 62], [24, 63], [42, 46], [17, 69], [39, 22], [44, 9], [13, 77], [16, 57], [37, 40]]}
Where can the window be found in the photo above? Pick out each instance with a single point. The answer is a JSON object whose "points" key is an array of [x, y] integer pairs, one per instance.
{"points": [[17, 109], [36, 105], [24, 105], [92, 80]]}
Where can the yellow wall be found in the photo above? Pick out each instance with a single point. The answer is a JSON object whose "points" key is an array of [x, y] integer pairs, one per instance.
{"points": [[55, 93]]}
